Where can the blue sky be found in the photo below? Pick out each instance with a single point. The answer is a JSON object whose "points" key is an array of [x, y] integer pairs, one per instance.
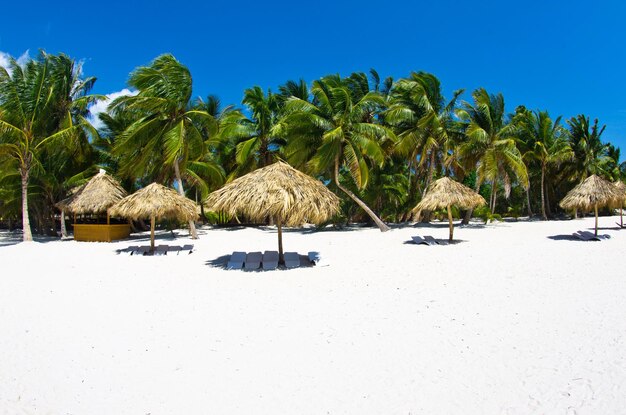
{"points": [[567, 57]]}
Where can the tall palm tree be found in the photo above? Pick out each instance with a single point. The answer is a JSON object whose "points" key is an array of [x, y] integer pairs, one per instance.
{"points": [[338, 130], [491, 143], [165, 138], [42, 104], [591, 154], [548, 145], [257, 144], [426, 130]]}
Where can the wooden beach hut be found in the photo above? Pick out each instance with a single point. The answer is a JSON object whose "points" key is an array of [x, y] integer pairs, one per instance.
{"points": [[95, 198]]}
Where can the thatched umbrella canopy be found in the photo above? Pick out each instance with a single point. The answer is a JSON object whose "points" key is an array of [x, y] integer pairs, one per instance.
{"points": [[95, 196], [593, 192], [444, 193], [621, 189], [278, 191], [155, 201]]}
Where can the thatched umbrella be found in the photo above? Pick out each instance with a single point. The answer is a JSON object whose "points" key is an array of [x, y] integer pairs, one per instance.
{"points": [[278, 191], [621, 188], [155, 201], [95, 196], [593, 192], [445, 192]]}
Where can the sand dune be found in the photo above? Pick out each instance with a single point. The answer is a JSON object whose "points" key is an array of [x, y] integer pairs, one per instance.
{"points": [[517, 318]]}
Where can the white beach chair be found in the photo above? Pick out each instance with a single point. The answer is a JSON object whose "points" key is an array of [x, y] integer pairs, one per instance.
{"points": [[236, 260], [270, 260], [142, 250], [188, 248], [161, 250], [292, 260], [315, 258], [174, 249], [590, 236], [253, 261], [426, 240]]}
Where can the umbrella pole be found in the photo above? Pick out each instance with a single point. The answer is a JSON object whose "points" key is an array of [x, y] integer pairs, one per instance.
{"points": [[281, 257], [596, 209], [152, 220], [451, 224], [621, 218]]}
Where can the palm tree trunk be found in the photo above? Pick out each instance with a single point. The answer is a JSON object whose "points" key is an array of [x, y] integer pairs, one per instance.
{"points": [[381, 225], [468, 213], [543, 198], [63, 227], [451, 224], [181, 191], [26, 232], [530, 212], [494, 195]]}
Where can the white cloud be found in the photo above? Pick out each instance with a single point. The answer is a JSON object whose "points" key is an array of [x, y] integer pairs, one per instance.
{"points": [[103, 105], [5, 60]]}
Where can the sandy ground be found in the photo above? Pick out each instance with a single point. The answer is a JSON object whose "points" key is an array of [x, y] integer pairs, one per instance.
{"points": [[517, 318]]}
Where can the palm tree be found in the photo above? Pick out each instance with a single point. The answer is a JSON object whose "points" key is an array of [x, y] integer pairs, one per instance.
{"points": [[338, 130], [165, 136], [491, 144], [548, 145], [427, 133], [257, 145], [42, 104], [591, 155]]}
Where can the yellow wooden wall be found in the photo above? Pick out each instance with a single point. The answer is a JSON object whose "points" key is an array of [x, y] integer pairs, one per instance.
{"points": [[100, 233]]}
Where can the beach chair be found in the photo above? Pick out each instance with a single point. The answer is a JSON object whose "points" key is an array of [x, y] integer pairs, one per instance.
{"points": [[131, 249], [187, 248], [142, 250], [270, 260], [161, 250], [236, 260], [590, 236], [436, 241], [426, 240], [292, 260], [315, 258], [253, 261], [174, 249]]}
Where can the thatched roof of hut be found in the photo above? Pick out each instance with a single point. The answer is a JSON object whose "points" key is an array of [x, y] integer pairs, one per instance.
{"points": [[277, 191], [158, 201], [446, 192], [621, 189], [95, 196], [592, 191]]}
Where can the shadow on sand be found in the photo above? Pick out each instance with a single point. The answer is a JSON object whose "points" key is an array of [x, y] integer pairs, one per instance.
{"points": [[569, 237]]}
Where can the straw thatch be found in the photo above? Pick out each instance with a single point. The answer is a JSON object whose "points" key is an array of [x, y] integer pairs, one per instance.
{"points": [[156, 201], [446, 192], [620, 186], [95, 196], [278, 191], [592, 193]]}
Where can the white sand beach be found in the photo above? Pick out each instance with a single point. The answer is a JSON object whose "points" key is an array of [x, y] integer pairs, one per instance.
{"points": [[518, 318]]}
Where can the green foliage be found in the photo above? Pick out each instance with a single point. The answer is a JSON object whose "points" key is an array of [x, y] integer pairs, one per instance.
{"points": [[484, 213]]}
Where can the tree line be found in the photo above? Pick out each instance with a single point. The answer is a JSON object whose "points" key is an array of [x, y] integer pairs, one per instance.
{"points": [[378, 143]]}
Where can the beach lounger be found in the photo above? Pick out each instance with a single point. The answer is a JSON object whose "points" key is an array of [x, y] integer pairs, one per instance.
{"points": [[430, 239], [292, 260], [426, 240], [590, 236], [142, 250], [316, 259], [270, 260], [174, 249], [161, 250], [253, 261], [236, 260], [188, 248], [131, 249]]}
